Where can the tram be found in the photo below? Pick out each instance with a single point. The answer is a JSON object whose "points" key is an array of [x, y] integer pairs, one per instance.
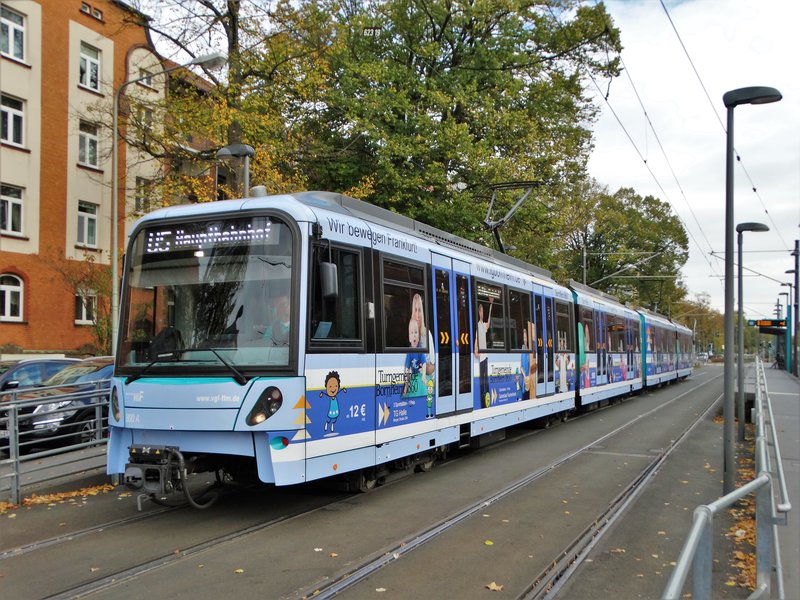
{"points": [[303, 336]]}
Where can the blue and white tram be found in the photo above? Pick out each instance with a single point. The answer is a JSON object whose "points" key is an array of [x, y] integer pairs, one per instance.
{"points": [[310, 335], [304, 336], [685, 350], [659, 348], [609, 355]]}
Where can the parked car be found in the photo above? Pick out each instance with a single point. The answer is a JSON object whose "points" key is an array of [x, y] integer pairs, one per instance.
{"points": [[69, 400], [16, 374]]}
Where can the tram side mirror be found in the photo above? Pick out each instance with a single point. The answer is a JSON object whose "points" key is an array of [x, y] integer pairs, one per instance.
{"points": [[329, 280]]}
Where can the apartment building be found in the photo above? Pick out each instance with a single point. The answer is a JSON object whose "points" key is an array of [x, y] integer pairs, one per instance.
{"points": [[61, 63]]}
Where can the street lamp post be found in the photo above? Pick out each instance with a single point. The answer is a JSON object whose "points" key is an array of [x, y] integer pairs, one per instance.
{"points": [[787, 342], [740, 229], [796, 319], [238, 150], [791, 328], [215, 60], [732, 99]]}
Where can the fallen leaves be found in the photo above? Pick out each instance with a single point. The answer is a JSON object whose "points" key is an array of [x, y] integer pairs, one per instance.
{"points": [[494, 587], [58, 498]]}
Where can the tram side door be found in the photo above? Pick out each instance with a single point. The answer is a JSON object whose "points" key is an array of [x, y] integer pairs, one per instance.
{"points": [[540, 344], [452, 335], [600, 346], [549, 330]]}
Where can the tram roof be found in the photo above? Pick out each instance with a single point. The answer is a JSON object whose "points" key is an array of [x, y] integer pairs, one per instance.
{"points": [[375, 214], [345, 205]]}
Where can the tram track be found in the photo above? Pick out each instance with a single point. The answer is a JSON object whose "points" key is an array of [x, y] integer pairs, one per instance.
{"points": [[337, 582], [550, 581], [556, 574], [124, 576]]}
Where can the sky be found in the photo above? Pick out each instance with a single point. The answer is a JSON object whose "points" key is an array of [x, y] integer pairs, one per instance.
{"points": [[730, 44]]}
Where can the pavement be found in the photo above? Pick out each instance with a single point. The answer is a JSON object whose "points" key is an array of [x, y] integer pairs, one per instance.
{"points": [[636, 557], [784, 392]]}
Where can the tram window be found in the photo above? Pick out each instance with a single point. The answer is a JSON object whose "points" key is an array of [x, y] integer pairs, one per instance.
{"points": [[336, 318], [616, 333], [587, 323], [404, 301], [489, 330], [519, 319], [444, 377], [564, 336]]}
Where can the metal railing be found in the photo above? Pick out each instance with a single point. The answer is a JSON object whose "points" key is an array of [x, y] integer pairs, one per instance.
{"points": [[697, 552], [33, 428]]}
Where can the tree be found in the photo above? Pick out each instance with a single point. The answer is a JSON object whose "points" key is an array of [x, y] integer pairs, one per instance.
{"points": [[634, 246], [90, 281], [276, 63], [433, 100], [707, 323]]}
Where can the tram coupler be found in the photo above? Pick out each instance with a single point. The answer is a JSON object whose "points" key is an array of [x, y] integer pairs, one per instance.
{"points": [[153, 470]]}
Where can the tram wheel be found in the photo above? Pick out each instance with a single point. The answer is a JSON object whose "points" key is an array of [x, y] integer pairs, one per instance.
{"points": [[426, 465], [367, 480]]}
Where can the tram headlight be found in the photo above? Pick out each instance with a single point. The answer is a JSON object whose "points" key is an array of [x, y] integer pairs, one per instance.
{"points": [[267, 405], [115, 405]]}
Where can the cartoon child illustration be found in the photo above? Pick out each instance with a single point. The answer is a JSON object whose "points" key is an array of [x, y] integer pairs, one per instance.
{"points": [[415, 363], [332, 389], [429, 400]]}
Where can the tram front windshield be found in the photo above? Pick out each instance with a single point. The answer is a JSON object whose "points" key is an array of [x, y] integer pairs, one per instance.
{"points": [[211, 292]]}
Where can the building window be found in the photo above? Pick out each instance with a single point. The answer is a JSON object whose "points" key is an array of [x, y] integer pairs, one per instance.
{"points": [[85, 307], [142, 194], [11, 290], [97, 14], [12, 120], [145, 118], [90, 67], [12, 33], [88, 141], [87, 224], [10, 209], [146, 78]]}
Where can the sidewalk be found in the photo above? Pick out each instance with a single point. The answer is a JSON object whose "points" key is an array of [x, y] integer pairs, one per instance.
{"points": [[784, 391]]}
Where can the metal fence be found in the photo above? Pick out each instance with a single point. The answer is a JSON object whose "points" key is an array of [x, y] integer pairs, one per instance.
{"points": [[56, 422], [697, 553]]}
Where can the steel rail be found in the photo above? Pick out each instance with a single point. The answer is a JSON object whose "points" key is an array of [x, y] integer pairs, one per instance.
{"points": [[394, 552], [547, 585]]}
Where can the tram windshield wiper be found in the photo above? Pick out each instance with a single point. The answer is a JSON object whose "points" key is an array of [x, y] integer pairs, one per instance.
{"points": [[237, 375], [164, 357]]}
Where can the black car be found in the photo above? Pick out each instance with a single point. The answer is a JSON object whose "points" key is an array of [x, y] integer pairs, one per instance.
{"points": [[66, 407], [16, 374]]}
